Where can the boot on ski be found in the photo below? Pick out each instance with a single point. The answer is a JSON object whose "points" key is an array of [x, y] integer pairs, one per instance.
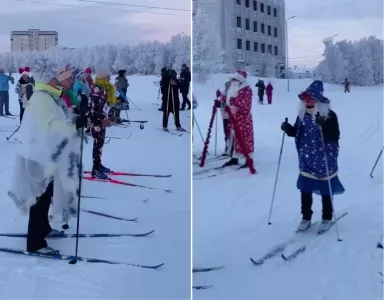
{"points": [[304, 225], [324, 226], [97, 173], [180, 128], [231, 162], [53, 232], [104, 169]]}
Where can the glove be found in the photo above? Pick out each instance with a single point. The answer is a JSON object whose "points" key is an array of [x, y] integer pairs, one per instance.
{"points": [[285, 126], [218, 93], [81, 122], [320, 120], [217, 103]]}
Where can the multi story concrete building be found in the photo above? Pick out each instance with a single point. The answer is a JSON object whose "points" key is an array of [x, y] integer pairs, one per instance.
{"points": [[251, 33], [33, 39]]}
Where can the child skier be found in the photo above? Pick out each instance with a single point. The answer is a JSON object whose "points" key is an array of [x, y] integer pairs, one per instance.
{"points": [[316, 126], [24, 89]]}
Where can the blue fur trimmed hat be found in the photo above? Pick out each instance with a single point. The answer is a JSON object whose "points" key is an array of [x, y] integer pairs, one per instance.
{"points": [[315, 92]]}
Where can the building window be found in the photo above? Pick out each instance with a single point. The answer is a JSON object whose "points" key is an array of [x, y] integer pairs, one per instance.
{"points": [[275, 32], [255, 46], [262, 28], [246, 3], [254, 5], [239, 22], [239, 44], [269, 30], [247, 24], [254, 26], [248, 45], [238, 2], [262, 48], [275, 12], [269, 49], [262, 7], [269, 10], [276, 51]]}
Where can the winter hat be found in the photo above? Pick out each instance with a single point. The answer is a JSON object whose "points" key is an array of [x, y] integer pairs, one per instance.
{"points": [[121, 72], [315, 92], [240, 76], [1, 70], [24, 71], [102, 73], [88, 70]]}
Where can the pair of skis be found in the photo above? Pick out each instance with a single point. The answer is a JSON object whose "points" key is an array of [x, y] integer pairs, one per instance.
{"points": [[115, 181], [298, 247], [204, 270], [170, 131]]}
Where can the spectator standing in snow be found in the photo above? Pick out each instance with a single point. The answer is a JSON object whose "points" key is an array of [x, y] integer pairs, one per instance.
{"points": [[260, 90], [164, 74], [50, 146], [24, 90], [346, 86], [239, 101], [170, 86], [4, 92], [88, 76], [121, 86], [268, 92], [315, 117], [185, 81]]}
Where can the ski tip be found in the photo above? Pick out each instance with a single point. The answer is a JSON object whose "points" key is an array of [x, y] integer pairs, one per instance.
{"points": [[283, 257], [257, 263], [168, 191]]}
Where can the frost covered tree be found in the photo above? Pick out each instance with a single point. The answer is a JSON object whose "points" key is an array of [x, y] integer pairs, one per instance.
{"points": [[206, 48], [359, 61], [144, 58]]}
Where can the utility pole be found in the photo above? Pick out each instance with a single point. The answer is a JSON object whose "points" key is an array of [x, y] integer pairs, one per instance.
{"points": [[286, 50]]}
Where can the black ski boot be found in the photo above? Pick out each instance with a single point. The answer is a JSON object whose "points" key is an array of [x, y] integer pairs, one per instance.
{"points": [[231, 162]]}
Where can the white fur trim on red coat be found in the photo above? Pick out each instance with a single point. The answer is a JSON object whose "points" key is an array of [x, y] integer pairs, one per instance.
{"points": [[238, 77]]}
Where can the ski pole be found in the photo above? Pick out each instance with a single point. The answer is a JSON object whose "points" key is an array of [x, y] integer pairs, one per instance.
{"points": [[329, 184], [129, 100], [17, 129], [74, 260], [216, 135], [277, 175], [377, 160], [198, 128]]}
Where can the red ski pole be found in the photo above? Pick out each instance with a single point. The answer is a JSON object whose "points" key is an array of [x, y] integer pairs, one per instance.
{"points": [[206, 143]]}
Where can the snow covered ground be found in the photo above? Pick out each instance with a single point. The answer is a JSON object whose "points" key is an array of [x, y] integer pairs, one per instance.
{"points": [[149, 151], [230, 211]]}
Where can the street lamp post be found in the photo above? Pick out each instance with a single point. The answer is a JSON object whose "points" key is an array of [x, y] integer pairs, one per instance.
{"points": [[333, 66], [286, 49]]}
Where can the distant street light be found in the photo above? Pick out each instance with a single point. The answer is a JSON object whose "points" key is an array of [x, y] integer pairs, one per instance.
{"points": [[333, 66], [286, 49]]}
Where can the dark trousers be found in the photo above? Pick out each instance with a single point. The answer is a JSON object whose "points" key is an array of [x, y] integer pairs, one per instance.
{"points": [[226, 132], [4, 102], [21, 111], [261, 98], [171, 106], [98, 143], [38, 224], [186, 101], [306, 206]]}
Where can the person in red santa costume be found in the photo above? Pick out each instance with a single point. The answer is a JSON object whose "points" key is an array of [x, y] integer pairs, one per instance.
{"points": [[239, 101]]}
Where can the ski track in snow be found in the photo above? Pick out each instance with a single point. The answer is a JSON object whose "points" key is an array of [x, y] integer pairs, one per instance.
{"points": [[23, 277], [230, 212]]}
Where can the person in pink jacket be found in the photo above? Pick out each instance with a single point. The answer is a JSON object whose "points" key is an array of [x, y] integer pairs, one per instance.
{"points": [[268, 91]]}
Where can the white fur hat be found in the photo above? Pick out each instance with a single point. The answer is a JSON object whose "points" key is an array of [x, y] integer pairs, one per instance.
{"points": [[240, 76]]}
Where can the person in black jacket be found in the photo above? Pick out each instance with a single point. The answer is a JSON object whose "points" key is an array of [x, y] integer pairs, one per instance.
{"points": [[185, 80], [316, 132], [170, 86], [164, 73], [261, 88]]}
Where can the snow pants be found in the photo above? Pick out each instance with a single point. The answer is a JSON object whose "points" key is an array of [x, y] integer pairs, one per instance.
{"points": [[176, 114], [185, 102], [38, 224], [261, 98], [306, 206], [269, 98], [98, 134]]}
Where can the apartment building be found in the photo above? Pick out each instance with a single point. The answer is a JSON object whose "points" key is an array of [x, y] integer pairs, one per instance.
{"points": [[251, 33], [33, 39]]}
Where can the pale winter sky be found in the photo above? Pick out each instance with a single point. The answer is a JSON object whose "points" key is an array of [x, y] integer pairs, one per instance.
{"points": [[315, 20], [90, 24]]}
